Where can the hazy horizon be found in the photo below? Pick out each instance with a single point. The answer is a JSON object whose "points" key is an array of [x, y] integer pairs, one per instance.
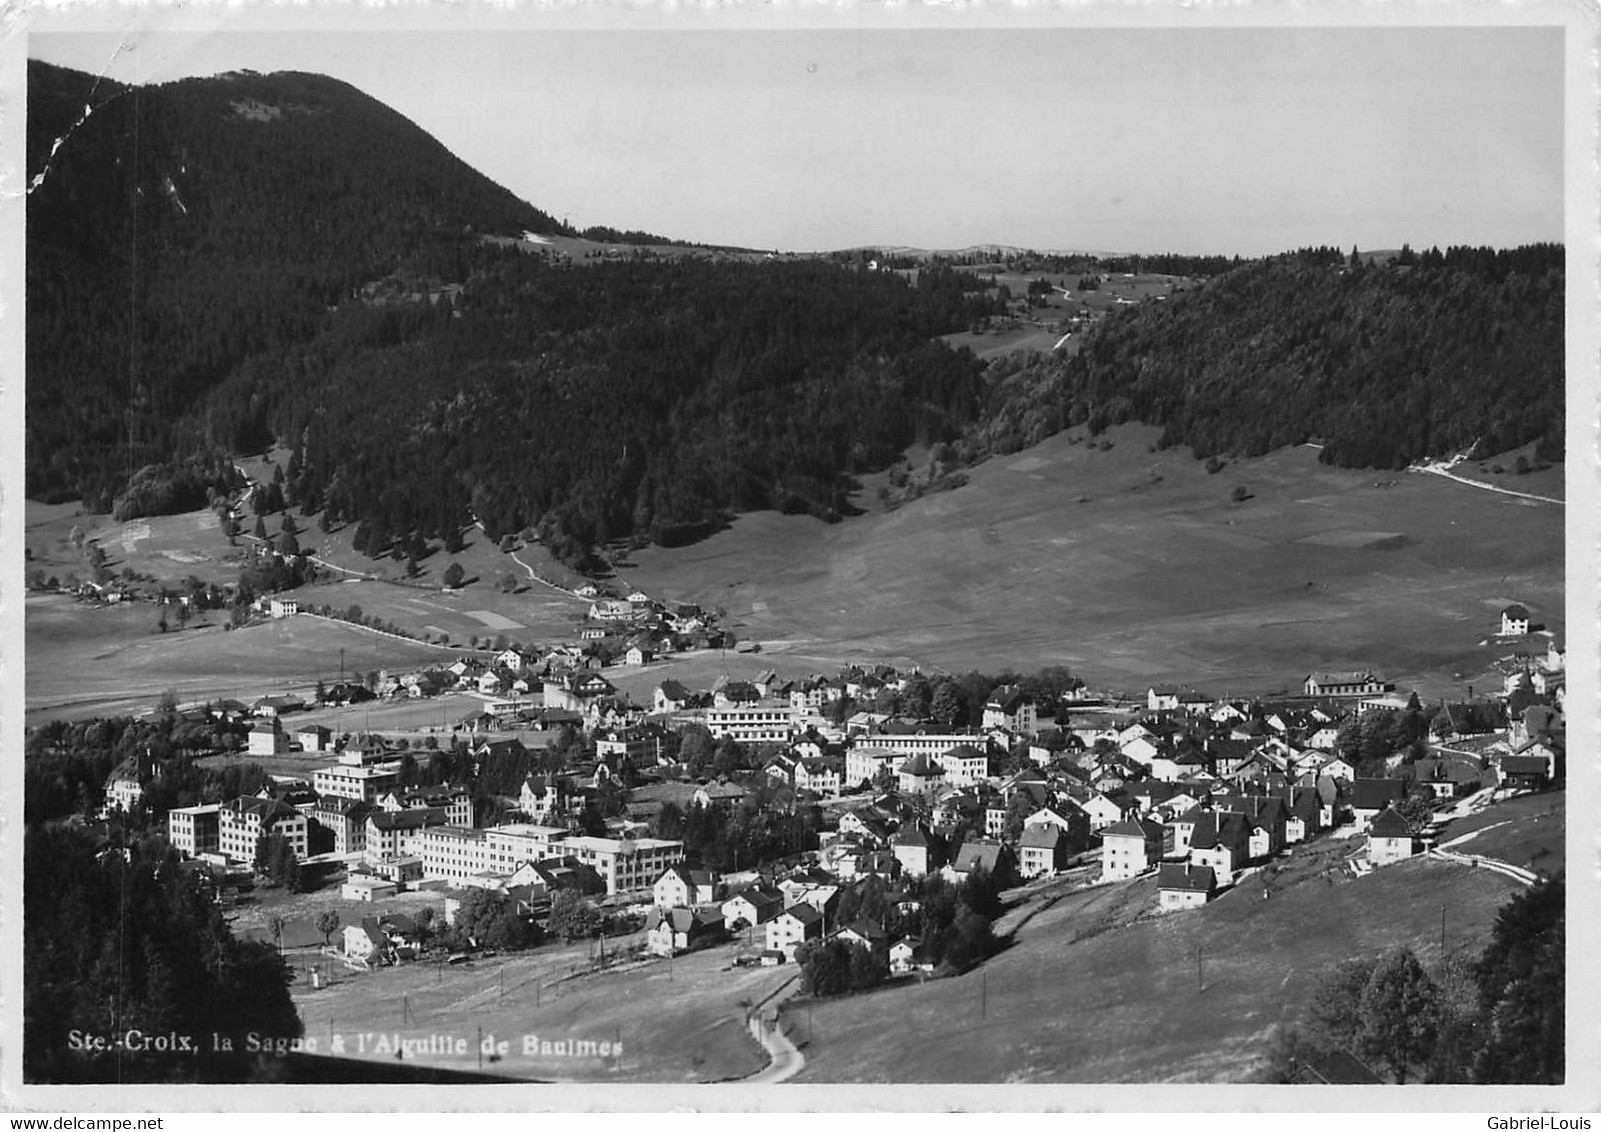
{"points": [[1227, 141]]}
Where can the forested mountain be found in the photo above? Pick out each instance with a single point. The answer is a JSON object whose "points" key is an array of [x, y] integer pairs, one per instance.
{"points": [[179, 229], [619, 399], [1383, 365], [219, 264]]}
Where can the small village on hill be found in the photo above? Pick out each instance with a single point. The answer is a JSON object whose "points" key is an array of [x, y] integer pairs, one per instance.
{"points": [[821, 822]]}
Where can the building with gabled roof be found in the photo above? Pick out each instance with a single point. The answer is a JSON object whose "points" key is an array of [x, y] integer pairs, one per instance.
{"points": [[1370, 796], [1131, 846], [1041, 849], [1183, 885], [1345, 684], [1221, 840], [1389, 838], [920, 775], [672, 930], [680, 886], [753, 907], [792, 927], [912, 849]]}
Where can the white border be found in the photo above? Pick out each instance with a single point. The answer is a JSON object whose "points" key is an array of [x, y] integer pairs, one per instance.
{"points": [[1582, 1093]]}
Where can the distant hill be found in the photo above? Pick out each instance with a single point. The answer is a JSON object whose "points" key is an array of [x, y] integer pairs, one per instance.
{"points": [[179, 229], [216, 265], [1382, 365]]}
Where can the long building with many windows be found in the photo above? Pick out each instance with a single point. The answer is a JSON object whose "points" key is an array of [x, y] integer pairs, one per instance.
{"points": [[765, 721], [457, 854], [358, 783], [245, 821]]}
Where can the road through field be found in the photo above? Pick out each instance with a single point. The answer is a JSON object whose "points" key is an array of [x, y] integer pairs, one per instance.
{"points": [[1440, 471]]}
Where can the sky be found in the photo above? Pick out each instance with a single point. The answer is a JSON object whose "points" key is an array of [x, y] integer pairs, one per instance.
{"points": [[1233, 140]]}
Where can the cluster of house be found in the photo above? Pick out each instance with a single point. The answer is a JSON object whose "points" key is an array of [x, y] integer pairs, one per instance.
{"points": [[694, 908], [1185, 785]]}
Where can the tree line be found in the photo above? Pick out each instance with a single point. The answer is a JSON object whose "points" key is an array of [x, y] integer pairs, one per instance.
{"points": [[118, 937], [642, 401], [1494, 1019], [1382, 365]]}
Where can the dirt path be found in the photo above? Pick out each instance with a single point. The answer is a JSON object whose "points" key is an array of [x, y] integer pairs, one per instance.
{"points": [[785, 1060], [1440, 470]]}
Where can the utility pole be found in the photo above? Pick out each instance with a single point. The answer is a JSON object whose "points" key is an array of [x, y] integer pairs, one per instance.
{"points": [[1200, 970], [984, 994]]}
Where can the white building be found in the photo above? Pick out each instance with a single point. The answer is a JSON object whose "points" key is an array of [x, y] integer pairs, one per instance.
{"points": [[766, 721], [359, 783], [245, 821], [268, 738], [194, 830]]}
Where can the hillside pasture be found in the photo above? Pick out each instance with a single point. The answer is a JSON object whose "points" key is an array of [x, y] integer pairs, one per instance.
{"points": [[1548, 481], [1136, 566], [167, 547], [1086, 995], [1529, 831], [85, 660], [678, 1022]]}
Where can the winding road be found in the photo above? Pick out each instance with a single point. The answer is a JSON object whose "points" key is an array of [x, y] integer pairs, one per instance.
{"points": [[784, 1059]]}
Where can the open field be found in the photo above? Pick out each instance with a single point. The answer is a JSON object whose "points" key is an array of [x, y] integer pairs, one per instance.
{"points": [[1549, 482], [1084, 995], [1129, 565], [678, 1022], [533, 612], [1042, 327], [1026, 337], [1528, 831], [85, 661], [170, 547], [1134, 566]]}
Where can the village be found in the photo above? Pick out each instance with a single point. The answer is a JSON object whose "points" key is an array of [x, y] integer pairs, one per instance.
{"points": [[862, 787]]}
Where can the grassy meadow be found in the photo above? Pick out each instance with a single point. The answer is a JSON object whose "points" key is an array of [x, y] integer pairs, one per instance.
{"points": [[680, 1022], [1135, 566], [1130, 565], [85, 661], [1097, 988]]}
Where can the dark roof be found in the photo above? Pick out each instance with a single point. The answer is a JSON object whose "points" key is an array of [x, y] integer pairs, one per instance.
{"points": [[1376, 793], [1390, 824], [1041, 836], [1133, 827], [984, 855], [1524, 764], [920, 765], [804, 912], [1186, 878], [1008, 699], [408, 819], [348, 807], [268, 809], [1220, 828], [1515, 612], [910, 834]]}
